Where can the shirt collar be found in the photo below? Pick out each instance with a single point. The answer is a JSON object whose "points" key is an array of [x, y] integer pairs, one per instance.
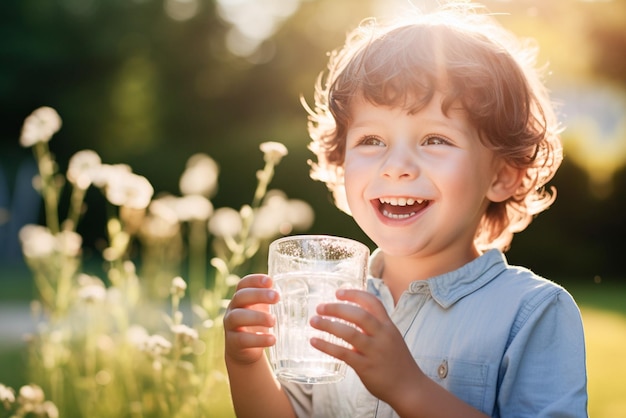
{"points": [[448, 288]]}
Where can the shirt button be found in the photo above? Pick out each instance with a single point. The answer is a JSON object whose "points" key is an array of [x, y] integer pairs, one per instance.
{"points": [[442, 370]]}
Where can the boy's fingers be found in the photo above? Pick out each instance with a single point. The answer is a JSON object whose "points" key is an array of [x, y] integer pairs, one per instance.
{"points": [[252, 290], [243, 340], [255, 280], [362, 298], [253, 296], [339, 352], [369, 317], [239, 318], [346, 332]]}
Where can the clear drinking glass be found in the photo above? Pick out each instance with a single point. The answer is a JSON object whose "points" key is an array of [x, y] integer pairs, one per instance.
{"points": [[307, 270]]}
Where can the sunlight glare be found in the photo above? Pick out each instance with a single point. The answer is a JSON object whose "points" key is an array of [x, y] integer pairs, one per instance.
{"points": [[253, 22]]}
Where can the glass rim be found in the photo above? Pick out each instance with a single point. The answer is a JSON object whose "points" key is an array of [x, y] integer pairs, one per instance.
{"points": [[320, 237]]}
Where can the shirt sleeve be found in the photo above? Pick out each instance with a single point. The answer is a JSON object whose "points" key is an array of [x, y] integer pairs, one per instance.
{"points": [[543, 372], [300, 397]]}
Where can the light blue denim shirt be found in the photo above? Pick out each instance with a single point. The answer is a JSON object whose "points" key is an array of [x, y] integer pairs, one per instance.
{"points": [[498, 337]]}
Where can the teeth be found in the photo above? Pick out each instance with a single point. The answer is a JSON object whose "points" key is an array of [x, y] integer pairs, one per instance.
{"points": [[400, 201], [398, 216]]}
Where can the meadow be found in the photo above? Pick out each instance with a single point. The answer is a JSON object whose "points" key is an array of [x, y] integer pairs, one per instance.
{"points": [[603, 306]]}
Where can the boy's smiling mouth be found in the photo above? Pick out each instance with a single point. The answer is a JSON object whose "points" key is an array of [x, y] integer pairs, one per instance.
{"points": [[399, 207]]}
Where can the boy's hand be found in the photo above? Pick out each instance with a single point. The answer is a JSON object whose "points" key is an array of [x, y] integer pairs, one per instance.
{"points": [[247, 319], [379, 355]]}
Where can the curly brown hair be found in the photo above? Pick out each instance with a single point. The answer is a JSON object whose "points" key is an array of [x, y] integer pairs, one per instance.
{"points": [[470, 59]]}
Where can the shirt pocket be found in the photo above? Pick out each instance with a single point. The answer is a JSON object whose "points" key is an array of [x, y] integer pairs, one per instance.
{"points": [[467, 380]]}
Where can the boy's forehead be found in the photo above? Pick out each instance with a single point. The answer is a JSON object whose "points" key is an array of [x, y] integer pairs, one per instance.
{"points": [[360, 107]]}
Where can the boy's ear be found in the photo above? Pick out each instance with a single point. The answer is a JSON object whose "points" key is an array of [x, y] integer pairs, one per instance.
{"points": [[506, 181]]}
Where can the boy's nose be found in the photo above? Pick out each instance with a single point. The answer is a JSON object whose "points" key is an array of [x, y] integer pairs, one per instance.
{"points": [[400, 164]]}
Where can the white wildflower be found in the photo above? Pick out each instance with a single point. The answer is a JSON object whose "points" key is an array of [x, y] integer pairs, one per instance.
{"points": [[130, 190], [157, 345], [184, 334], [39, 126], [82, 167], [200, 176], [225, 222], [193, 208], [271, 218], [178, 287], [31, 395], [37, 241], [49, 410], [156, 228], [85, 279], [160, 223], [92, 293], [300, 214], [280, 216], [69, 243], [109, 173], [268, 223], [164, 208], [273, 152], [7, 396], [137, 336]]}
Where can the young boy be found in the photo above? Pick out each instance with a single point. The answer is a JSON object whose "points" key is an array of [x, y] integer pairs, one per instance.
{"points": [[438, 137]]}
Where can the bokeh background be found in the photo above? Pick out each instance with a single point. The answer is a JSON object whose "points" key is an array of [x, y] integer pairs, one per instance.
{"points": [[151, 82]]}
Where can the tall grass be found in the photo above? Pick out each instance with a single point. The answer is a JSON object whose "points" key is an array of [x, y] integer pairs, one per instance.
{"points": [[137, 340]]}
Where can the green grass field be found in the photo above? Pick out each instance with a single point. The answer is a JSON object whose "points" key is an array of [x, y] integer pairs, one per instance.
{"points": [[606, 362], [603, 306]]}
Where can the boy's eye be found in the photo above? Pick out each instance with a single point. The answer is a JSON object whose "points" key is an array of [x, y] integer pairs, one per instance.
{"points": [[435, 140], [371, 140]]}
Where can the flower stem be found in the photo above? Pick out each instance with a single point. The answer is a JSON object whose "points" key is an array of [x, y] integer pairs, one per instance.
{"points": [[49, 190], [197, 258]]}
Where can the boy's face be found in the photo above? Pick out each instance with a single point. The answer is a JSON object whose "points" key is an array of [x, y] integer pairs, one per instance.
{"points": [[417, 184]]}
